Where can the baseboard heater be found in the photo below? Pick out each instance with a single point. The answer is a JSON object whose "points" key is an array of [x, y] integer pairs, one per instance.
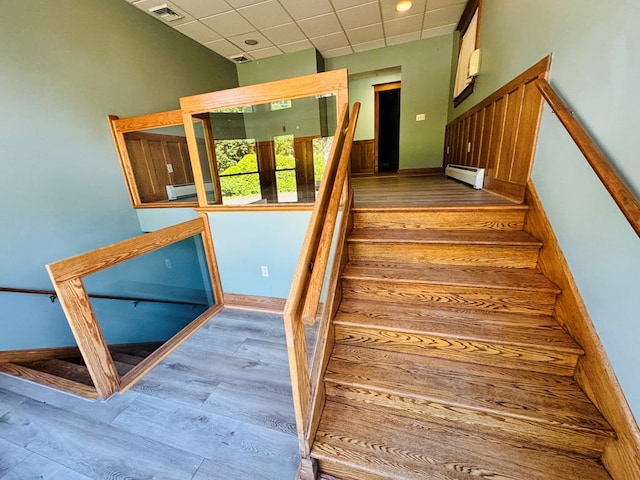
{"points": [[471, 175], [176, 192]]}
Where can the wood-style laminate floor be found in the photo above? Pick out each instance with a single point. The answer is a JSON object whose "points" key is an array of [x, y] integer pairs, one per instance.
{"points": [[419, 191], [217, 408]]}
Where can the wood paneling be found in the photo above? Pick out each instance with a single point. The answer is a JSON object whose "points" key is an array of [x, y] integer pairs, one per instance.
{"points": [[500, 134], [594, 373], [152, 156], [363, 157]]}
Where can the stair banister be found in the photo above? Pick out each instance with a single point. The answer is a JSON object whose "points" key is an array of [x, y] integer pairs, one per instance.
{"points": [[312, 263], [314, 289], [602, 166]]}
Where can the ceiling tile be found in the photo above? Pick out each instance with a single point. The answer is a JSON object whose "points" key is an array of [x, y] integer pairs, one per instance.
{"points": [[362, 47], [145, 5], [328, 42], [342, 4], [389, 12], [199, 32], [223, 47], [367, 14], [437, 31], [239, 41], [228, 24], [300, 9], [265, 52], [337, 52], [393, 28], [436, 4], [265, 14], [242, 3], [407, 37], [203, 8], [366, 34], [284, 33], [443, 16], [320, 25], [295, 46]]}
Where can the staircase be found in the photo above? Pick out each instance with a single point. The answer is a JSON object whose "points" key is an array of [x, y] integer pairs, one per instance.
{"points": [[68, 372], [448, 362]]}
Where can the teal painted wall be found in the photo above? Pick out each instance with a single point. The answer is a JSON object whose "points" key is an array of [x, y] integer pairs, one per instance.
{"points": [[279, 67], [361, 90], [245, 241], [426, 72], [596, 65], [65, 66]]}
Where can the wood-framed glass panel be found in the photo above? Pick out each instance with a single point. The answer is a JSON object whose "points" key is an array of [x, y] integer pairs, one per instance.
{"points": [[155, 162], [269, 142]]}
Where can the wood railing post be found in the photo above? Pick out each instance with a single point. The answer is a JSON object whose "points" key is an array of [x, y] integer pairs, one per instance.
{"points": [[86, 330]]}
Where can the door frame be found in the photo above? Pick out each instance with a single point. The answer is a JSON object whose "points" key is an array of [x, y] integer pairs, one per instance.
{"points": [[382, 87]]}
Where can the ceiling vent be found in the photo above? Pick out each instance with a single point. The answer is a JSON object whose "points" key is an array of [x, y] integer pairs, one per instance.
{"points": [[240, 59], [165, 13]]}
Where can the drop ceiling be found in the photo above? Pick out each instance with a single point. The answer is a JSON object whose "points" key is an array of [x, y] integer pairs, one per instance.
{"points": [[333, 27]]}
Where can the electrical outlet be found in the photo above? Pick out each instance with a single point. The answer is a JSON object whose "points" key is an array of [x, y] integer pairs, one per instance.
{"points": [[420, 117], [169, 168], [167, 263], [265, 271]]}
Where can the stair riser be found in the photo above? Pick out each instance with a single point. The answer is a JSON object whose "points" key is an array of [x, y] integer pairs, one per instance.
{"points": [[443, 254], [529, 431], [487, 299], [441, 219], [508, 356]]}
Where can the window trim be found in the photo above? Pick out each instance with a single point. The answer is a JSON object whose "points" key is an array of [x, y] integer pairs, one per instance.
{"points": [[470, 10]]}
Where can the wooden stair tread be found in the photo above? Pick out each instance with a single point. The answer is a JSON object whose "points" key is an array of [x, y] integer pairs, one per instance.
{"points": [[49, 380], [359, 444], [534, 397], [466, 276], [61, 368], [507, 328], [446, 237], [518, 207]]}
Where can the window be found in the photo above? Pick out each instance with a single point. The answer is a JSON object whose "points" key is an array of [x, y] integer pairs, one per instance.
{"points": [[468, 28]]}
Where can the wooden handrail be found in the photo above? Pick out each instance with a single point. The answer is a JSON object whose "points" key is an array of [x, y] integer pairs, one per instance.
{"points": [[67, 278], [52, 293], [314, 289], [311, 263], [602, 166]]}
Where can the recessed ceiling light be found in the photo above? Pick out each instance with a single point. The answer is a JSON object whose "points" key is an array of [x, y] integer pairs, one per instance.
{"points": [[403, 6], [251, 41]]}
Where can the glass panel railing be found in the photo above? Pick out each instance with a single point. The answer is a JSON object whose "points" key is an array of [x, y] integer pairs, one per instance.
{"points": [[149, 299], [272, 152]]}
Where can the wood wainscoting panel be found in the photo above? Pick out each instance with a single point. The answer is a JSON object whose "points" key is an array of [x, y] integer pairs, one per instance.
{"points": [[499, 134], [594, 373], [363, 157]]}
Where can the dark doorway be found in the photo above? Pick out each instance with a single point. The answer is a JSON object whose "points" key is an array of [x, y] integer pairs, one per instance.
{"points": [[387, 104]]}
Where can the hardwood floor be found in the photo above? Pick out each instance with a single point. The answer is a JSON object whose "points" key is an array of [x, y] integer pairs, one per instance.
{"points": [[218, 408], [426, 191]]}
